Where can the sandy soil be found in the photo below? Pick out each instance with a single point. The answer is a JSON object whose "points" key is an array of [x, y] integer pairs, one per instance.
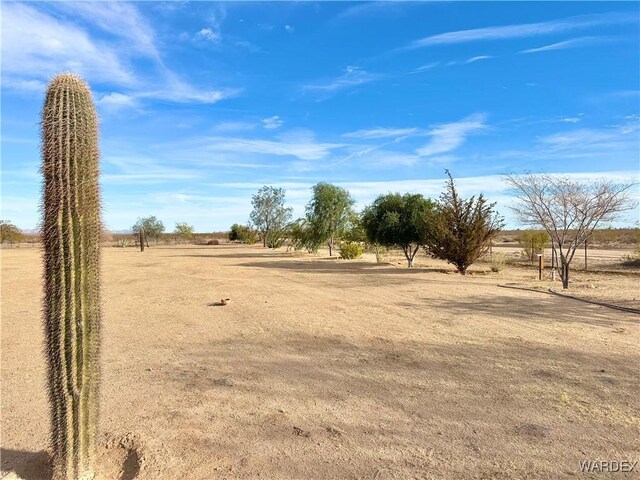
{"points": [[326, 369]]}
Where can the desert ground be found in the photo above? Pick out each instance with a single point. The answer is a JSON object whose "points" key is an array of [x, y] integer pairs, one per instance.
{"points": [[330, 369]]}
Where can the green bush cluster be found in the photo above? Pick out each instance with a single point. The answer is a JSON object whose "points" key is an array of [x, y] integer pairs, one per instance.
{"points": [[350, 250], [243, 234]]}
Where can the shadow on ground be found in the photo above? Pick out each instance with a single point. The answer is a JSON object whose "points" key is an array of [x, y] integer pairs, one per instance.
{"points": [[537, 308], [26, 465]]}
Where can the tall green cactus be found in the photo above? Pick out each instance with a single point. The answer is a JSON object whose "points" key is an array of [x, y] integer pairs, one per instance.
{"points": [[141, 239], [71, 235]]}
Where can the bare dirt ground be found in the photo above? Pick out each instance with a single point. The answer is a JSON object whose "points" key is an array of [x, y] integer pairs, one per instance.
{"points": [[327, 369]]}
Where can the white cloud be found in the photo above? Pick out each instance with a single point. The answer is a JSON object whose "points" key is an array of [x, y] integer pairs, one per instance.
{"points": [[24, 85], [300, 144], [571, 43], [522, 30], [289, 28], [449, 136], [381, 132], [353, 76], [114, 102], [208, 34], [35, 46], [272, 122], [589, 141], [121, 19]]}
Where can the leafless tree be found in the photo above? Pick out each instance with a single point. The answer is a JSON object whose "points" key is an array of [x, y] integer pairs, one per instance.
{"points": [[568, 209]]}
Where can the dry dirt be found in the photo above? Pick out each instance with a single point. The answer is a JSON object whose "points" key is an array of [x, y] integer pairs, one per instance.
{"points": [[327, 369]]}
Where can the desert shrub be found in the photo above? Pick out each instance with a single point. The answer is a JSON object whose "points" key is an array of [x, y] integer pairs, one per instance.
{"points": [[121, 242], [276, 239], [235, 232], [350, 250], [243, 234], [538, 239], [215, 241], [497, 263]]}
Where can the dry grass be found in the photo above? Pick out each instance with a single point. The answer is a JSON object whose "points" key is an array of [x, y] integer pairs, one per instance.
{"points": [[322, 368]]}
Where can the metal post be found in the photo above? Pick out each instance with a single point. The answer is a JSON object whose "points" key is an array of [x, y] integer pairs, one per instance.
{"points": [[539, 266], [585, 253]]}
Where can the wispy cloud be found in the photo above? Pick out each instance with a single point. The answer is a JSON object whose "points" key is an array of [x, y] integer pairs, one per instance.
{"points": [[589, 141], [353, 76], [36, 44], [272, 122], [233, 126], [479, 58], [381, 132], [449, 136], [299, 144], [571, 43], [524, 30]]}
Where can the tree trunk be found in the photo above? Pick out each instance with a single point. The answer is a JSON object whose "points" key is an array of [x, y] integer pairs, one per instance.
{"points": [[330, 243], [264, 239], [565, 275]]}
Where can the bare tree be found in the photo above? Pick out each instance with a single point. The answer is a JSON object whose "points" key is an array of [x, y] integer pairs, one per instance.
{"points": [[568, 209]]}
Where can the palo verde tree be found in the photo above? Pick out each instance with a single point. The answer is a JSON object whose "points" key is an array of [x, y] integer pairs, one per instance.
{"points": [[329, 211], [71, 229], [184, 231], [399, 220], [269, 214], [568, 209], [462, 228], [153, 228]]}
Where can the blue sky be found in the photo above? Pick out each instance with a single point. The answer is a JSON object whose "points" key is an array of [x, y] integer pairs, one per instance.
{"points": [[202, 103]]}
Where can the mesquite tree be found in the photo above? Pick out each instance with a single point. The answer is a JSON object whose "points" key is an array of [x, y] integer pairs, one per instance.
{"points": [[269, 215], [399, 220], [71, 229], [329, 211], [462, 228], [568, 209]]}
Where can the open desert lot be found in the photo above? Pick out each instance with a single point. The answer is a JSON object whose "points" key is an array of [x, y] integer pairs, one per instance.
{"points": [[328, 369]]}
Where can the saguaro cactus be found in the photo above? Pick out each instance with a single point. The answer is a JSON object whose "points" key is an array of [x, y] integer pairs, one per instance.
{"points": [[71, 235], [141, 239]]}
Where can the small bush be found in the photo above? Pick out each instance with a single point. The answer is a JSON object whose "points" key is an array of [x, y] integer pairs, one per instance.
{"points": [[213, 242], [497, 263], [350, 250], [275, 241]]}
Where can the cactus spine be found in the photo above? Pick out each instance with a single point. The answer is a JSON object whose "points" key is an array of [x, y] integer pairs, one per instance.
{"points": [[141, 239], [71, 237]]}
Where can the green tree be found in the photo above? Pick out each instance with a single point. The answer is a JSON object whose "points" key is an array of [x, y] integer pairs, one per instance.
{"points": [[399, 220], [329, 210], [301, 235], [184, 230], [462, 229], [234, 232], [354, 230], [10, 233], [269, 214], [153, 228]]}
